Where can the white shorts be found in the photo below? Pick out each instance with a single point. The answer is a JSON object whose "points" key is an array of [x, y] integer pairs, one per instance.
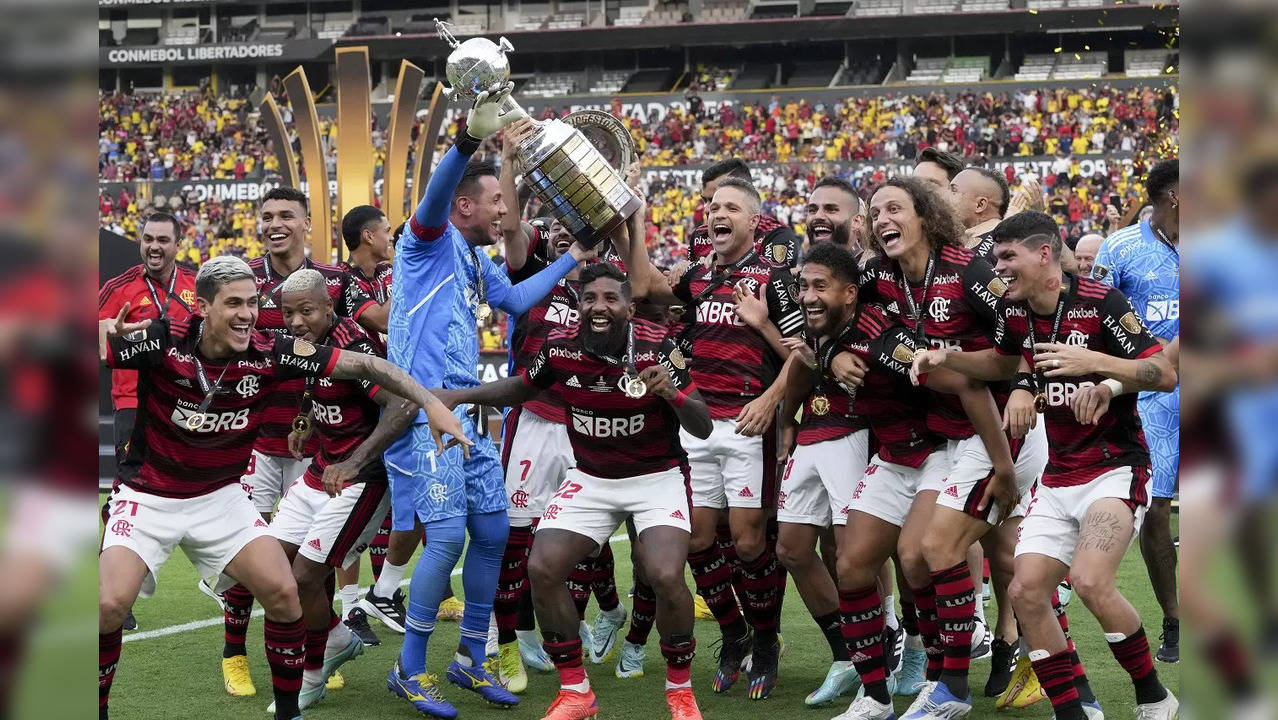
{"points": [[211, 529], [331, 531], [971, 470], [887, 490], [727, 468], [818, 480], [1055, 514], [50, 523], [596, 507], [268, 475], [537, 455]]}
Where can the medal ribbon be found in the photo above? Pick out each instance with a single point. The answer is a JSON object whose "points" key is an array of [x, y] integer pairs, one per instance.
{"points": [[480, 288], [716, 281], [826, 353], [916, 309], [625, 363], [163, 309], [1040, 381], [201, 376]]}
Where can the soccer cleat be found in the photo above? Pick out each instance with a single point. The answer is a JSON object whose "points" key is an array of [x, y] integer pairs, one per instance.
{"points": [[1023, 689], [841, 679], [571, 705], [236, 678], [451, 609], [867, 708], [939, 704], [389, 610], [421, 692], [357, 621], [730, 653], [353, 649], [1002, 665], [1065, 592], [746, 661], [1169, 650], [604, 634], [510, 668], [981, 637], [491, 644], [130, 623], [925, 691], [682, 704], [700, 610], [534, 656], [336, 681], [763, 670], [1166, 709], [630, 663], [217, 597], [479, 680], [894, 648], [1093, 711], [910, 677]]}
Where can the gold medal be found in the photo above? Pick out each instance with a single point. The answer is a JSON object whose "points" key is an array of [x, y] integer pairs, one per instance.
{"points": [[820, 405], [194, 421], [483, 312], [1040, 403], [635, 388], [301, 424]]}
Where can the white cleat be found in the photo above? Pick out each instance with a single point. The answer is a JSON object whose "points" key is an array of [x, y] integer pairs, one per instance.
{"points": [[1166, 709], [867, 708], [630, 664], [604, 635]]}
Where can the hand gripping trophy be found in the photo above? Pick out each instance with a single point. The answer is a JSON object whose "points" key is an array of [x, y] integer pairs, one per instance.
{"points": [[567, 172]]}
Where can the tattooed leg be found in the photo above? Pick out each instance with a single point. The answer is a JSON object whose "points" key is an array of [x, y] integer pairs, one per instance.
{"points": [[1103, 539]]}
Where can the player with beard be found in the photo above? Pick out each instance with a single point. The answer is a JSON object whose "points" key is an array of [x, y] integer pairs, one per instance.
{"points": [[156, 289], [938, 169], [947, 296], [733, 363], [980, 197], [774, 242], [834, 214], [202, 387], [1088, 506], [284, 217], [626, 389]]}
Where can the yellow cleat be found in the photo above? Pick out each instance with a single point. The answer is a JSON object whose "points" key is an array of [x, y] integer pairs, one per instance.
{"points": [[335, 681], [510, 668], [451, 609], [236, 678], [700, 610], [1022, 690]]}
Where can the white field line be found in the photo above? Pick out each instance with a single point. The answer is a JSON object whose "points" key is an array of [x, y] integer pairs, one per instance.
{"points": [[258, 612]]}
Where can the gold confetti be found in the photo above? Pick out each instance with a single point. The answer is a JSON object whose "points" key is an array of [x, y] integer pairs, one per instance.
{"points": [[1033, 12], [1057, 50]]}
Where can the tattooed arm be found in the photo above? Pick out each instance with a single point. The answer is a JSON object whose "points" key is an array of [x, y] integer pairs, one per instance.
{"points": [[1152, 372], [397, 415], [351, 365]]}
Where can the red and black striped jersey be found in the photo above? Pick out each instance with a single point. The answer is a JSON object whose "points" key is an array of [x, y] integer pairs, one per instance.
{"points": [[894, 409], [131, 287], [377, 287], [344, 412], [176, 460], [958, 314], [557, 310], [348, 301], [612, 434], [984, 247], [1097, 317], [731, 363], [775, 243]]}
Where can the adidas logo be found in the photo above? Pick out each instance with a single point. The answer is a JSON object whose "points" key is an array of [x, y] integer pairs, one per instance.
{"points": [[183, 382], [573, 382], [677, 515], [259, 523], [745, 492], [952, 491], [315, 543]]}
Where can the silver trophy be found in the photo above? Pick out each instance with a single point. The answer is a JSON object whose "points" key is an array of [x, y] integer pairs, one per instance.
{"points": [[567, 172]]}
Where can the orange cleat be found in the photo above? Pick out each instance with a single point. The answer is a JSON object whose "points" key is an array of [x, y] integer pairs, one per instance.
{"points": [[682, 704], [572, 705]]}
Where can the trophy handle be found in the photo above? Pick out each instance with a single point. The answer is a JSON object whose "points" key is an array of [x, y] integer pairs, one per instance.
{"points": [[504, 45]]}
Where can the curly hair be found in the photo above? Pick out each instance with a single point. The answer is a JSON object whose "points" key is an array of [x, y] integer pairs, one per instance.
{"points": [[940, 225]]}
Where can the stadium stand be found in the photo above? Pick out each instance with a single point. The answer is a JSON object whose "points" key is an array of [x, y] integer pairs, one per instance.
{"points": [[878, 8], [630, 15]]}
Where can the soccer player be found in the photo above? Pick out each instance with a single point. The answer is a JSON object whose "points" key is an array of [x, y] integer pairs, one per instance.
{"points": [[1085, 253], [284, 217], [835, 214], [156, 289], [1089, 503], [774, 242], [444, 283], [203, 386], [938, 169], [733, 363], [627, 392], [980, 197], [1143, 261]]}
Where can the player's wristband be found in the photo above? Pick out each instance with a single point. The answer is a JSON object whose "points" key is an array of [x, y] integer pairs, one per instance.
{"points": [[465, 143], [1115, 387], [679, 399], [1023, 381]]}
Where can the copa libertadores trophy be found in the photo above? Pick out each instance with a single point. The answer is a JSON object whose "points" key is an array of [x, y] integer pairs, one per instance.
{"points": [[566, 171]]}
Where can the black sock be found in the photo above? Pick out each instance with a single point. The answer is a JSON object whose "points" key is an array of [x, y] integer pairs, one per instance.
{"points": [[956, 682], [233, 649], [526, 619], [879, 691], [1149, 689], [1081, 684], [832, 627]]}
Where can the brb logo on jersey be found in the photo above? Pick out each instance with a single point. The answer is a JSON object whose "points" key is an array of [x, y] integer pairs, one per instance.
{"points": [[1060, 393], [607, 427], [715, 312], [562, 314], [328, 414]]}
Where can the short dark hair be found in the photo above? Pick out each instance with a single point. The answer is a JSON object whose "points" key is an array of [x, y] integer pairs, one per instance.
{"points": [[999, 180], [744, 186], [732, 167], [161, 217], [595, 271], [1031, 227], [399, 230], [949, 162], [288, 193], [475, 169], [356, 220], [1164, 176], [837, 258], [840, 184]]}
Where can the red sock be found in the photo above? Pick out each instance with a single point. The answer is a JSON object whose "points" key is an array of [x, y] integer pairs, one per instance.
{"points": [[678, 652], [1056, 675], [238, 609], [643, 613], [316, 640], [566, 655], [579, 585], [602, 581], [956, 610], [108, 659], [378, 547], [511, 582], [1228, 658], [1080, 675], [863, 623], [286, 654], [762, 598], [929, 629], [713, 576], [728, 547]]}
